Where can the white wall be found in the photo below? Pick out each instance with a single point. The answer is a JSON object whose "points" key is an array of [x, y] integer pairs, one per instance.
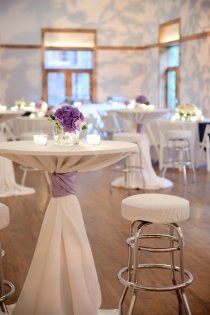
{"points": [[118, 22]]}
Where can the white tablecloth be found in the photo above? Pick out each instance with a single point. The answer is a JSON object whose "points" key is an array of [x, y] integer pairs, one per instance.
{"points": [[95, 115], [27, 124], [9, 114], [151, 180], [62, 279], [8, 185], [139, 116]]}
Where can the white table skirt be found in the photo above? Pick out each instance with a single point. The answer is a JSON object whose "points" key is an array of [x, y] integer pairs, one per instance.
{"points": [[100, 312], [8, 185], [62, 279], [135, 180]]}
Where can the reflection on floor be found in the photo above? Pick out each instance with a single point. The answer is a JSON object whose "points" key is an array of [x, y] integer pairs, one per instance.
{"points": [[107, 232]]}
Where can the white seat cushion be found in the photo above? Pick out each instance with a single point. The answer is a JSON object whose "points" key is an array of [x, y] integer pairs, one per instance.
{"points": [[126, 136], [4, 216], [178, 134], [155, 208]]}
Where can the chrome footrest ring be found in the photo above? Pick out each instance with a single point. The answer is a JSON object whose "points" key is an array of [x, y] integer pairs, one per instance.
{"points": [[138, 286], [130, 242], [11, 287]]}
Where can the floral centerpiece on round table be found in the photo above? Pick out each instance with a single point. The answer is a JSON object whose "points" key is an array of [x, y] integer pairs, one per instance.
{"points": [[68, 123], [141, 102], [187, 112]]}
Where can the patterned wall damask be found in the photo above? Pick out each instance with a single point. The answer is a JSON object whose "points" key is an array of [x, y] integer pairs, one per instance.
{"points": [[128, 73], [20, 75], [195, 73], [118, 22]]}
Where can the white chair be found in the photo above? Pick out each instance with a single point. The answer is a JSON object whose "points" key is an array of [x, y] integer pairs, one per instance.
{"points": [[4, 294], [145, 210]]}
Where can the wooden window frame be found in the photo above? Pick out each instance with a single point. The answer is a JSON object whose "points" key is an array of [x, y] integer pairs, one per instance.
{"points": [[67, 73], [168, 45], [177, 70], [161, 27], [93, 81]]}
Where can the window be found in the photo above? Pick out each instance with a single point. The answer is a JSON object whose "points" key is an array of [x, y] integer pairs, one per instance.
{"points": [[69, 59], [68, 72], [169, 63]]}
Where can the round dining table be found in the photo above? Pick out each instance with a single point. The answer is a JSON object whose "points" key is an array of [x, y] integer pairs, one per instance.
{"points": [[8, 184], [146, 178], [62, 279]]}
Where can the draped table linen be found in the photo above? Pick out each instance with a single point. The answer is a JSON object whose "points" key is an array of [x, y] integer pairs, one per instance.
{"points": [[151, 180], [62, 279], [8, 185], [27, 124]]}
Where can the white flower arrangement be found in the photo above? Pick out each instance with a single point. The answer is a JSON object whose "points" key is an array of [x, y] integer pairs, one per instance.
{"points": [[188, 112], [134, 105], [37, 109]]}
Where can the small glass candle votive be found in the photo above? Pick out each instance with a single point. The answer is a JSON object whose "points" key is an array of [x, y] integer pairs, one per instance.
{"points": [[93, 139], [3, 108], [40, 139]]}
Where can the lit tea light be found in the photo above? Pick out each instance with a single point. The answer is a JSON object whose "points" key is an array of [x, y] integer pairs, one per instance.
{"points": [[14, 108], [93, 139], [40, 139], [3, 108], [40, 114]]}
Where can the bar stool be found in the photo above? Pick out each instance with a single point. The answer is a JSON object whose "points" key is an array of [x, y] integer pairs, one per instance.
{"points": [[7, 289], [129, 168], [179, 151], [147, 209]]}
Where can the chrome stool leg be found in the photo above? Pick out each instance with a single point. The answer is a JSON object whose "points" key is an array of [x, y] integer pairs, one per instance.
{"points": [[183, 295], [3, 284], [132, 282], [125, 290], [173, 271], [24, 177]]}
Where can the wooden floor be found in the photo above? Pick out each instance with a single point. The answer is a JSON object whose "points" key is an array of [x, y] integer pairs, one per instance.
{"points": [[107, 232]]}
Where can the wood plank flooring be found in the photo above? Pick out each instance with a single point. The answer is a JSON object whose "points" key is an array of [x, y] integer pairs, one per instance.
{"points": [[107, 232]]}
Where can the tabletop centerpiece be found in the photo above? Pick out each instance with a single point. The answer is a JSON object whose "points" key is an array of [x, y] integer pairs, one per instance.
{"points": [[141, 102], [188, 112], [21, 104], [68, 123]]}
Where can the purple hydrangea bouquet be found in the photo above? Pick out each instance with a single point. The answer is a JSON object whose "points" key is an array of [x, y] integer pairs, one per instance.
{"points": [[141, 99], [68, 122]]}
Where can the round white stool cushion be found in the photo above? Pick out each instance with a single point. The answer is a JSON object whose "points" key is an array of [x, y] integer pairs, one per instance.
{"points": [[155, 208], [178, 134], [126, 136], [4, 216]]}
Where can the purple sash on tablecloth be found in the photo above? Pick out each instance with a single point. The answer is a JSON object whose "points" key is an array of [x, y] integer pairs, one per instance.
{"points": [[63, 184]]}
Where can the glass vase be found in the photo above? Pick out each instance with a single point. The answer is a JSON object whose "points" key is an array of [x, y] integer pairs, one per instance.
{"points": [[61, 137], [65, 138]]}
